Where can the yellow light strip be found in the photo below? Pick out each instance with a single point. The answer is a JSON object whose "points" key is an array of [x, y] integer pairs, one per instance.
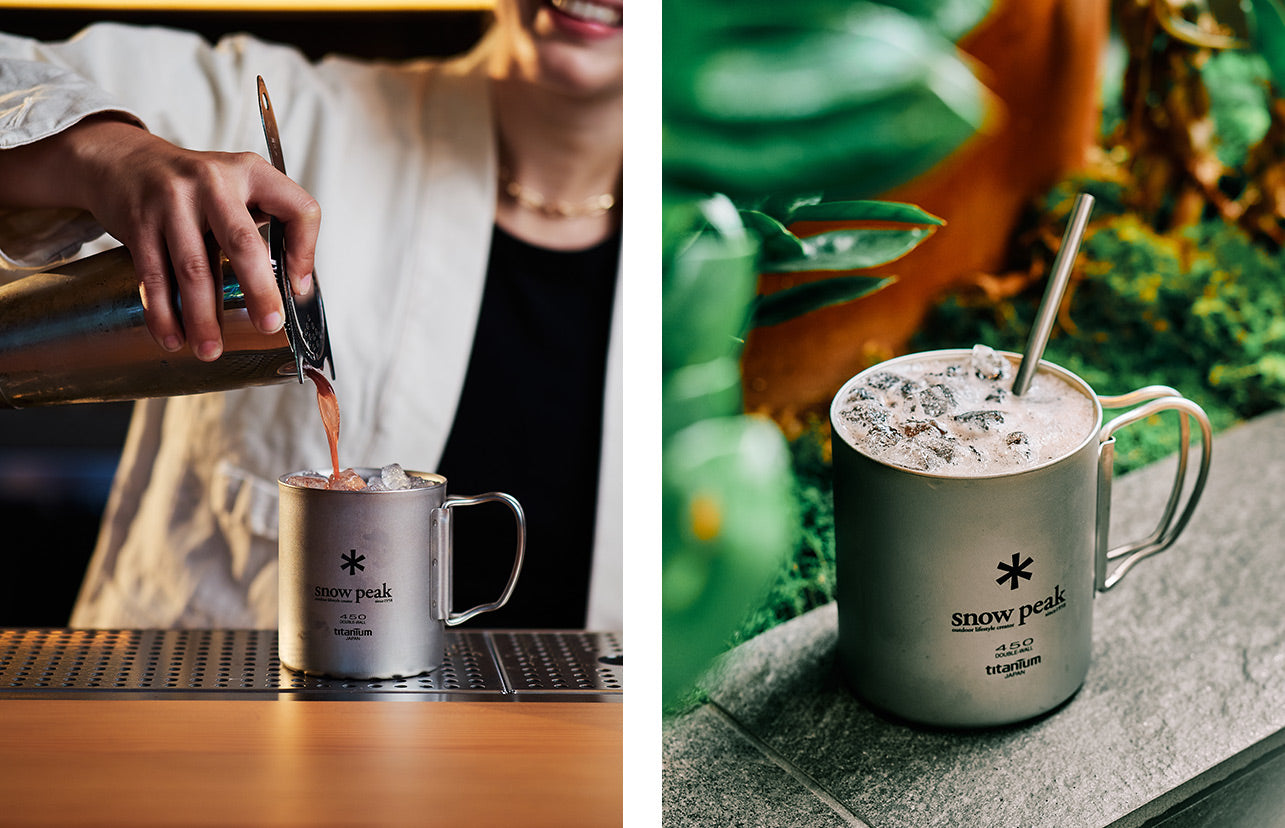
{"points": [[251, 5]]}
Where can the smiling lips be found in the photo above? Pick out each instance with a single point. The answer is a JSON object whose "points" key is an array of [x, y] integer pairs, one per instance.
{"points": [[590, 12]]}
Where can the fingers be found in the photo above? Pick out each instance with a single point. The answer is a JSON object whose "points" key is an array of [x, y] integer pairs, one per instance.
{"points": [[236, 234], [264, 190], [200, 296], [164, 202], [278, 196], [220, 194], [151, 263]]}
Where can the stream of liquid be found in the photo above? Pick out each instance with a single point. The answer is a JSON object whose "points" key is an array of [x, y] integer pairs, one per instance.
{"points": [[328, 404]]}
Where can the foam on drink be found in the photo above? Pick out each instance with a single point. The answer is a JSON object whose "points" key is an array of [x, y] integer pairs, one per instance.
{"points": [[956, 415]]}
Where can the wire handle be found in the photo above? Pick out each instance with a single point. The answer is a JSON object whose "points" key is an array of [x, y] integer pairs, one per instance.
{"points": [[443, 553], [1150, 400]]}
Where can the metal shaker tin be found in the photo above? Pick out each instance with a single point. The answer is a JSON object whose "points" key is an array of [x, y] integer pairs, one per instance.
{"points": [[76, 334], [967, 601]]}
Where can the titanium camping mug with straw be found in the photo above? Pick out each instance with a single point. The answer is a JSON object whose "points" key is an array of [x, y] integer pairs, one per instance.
{"points": [[967, 601]]}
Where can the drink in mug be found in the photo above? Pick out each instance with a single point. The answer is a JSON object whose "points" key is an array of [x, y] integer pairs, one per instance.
{"points": [[971, 531], [956, 416]]}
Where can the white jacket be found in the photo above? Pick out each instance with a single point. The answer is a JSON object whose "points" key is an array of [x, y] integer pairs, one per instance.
{"points": [[401, 158]]}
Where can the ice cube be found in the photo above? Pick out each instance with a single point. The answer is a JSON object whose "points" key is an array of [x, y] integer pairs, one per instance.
{"points": [[912, 389], [943, 447], [869, 420], [936, 400], [308, 480], [861, 392], [987, 364], [375, 483], [913, 428], [347, 480], [394, 477], [925, 451], [884, 380], [979, 421], [1019, 446]]}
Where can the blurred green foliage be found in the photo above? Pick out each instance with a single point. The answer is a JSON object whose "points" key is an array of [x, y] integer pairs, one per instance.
{"points": [[1238, 94], [807, 579], [843, 96], [775, 115]]}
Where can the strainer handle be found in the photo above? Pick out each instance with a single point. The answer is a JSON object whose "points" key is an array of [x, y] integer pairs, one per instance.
{"points": [[444, 552]]}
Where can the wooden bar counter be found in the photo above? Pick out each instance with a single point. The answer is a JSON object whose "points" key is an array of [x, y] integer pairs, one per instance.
{"points": [[238, 762], [192, 728]]}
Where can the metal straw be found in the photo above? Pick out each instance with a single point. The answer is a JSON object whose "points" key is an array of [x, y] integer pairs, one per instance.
{"points": [[1053, 293]]}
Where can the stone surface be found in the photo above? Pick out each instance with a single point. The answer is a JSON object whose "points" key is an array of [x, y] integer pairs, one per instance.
{"points": [[719, 777], [1186, 692]]}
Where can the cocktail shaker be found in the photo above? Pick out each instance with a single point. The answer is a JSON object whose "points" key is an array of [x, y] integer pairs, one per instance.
{"points": [[76, 334]]}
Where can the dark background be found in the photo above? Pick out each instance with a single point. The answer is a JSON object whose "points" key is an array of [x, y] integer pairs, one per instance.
{"points": [[56, 463]]}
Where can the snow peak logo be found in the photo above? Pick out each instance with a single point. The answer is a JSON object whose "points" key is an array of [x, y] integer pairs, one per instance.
{"points": [[1012, 572], [353, 562], [1000, 619], [350, 595]]}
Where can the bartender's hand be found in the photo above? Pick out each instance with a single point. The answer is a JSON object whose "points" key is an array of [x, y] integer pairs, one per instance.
{"points": [[159, 200]]}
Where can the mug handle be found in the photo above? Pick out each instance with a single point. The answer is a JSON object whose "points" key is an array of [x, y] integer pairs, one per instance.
{"points": [[1155, 398], [444, 551]]}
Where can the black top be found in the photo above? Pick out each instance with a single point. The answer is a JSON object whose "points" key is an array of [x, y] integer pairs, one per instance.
{"points": [[529, 423]]}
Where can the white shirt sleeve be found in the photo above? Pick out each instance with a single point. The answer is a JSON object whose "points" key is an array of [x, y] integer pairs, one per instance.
{"points": [[174, 83], [40, 96]]}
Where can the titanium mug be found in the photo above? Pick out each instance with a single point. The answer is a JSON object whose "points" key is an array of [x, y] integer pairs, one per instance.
{"points": [[365, 577], [927, 631]]}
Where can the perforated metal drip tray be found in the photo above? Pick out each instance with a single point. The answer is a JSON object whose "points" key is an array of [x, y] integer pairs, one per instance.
{"points": [[480, 665]]}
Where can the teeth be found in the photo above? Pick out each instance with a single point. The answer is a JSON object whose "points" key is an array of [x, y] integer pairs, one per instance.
{"points": [[590, 12]]}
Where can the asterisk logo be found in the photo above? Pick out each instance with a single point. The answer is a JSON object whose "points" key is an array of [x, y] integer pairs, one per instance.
{"points": [[352, 562], [1013, 571]]}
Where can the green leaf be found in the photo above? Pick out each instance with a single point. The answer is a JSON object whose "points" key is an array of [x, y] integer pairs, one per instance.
{"points": [[853, 249], [953, 18], [782, 206], [786, 72], [776, 241], [857, 153], [698, 392], [727, 523], [893, 211], [705, 299], [760, 100], [1268, 34], [789, 303]]}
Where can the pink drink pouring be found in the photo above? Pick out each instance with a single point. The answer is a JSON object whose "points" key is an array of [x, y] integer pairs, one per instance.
{"points": [[956, 416], [390, 478]]}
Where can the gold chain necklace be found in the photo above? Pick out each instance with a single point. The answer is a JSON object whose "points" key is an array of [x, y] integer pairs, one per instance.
{"points": [[534, 200]]}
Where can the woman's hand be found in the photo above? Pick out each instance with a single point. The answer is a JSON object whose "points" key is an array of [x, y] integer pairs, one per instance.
{"points": [[160, 200]]}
